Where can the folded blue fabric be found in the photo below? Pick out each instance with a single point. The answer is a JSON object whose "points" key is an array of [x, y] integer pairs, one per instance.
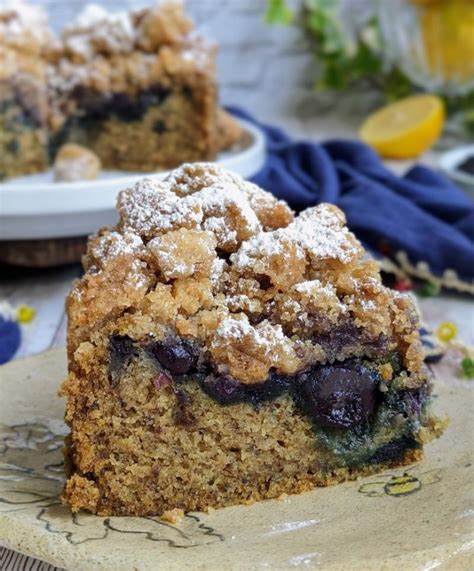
{"points": [[10, 338], [421, 213]]}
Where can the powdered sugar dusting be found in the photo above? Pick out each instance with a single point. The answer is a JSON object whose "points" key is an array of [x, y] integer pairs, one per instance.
{"points": [[321, 231], [115, 244], [312, 286], [265, 336], [150, 208], [262, 247], [317, 233], [22, 25], [217, 270], [203, 196], [221, 197], [136, 276], [96, 31]]}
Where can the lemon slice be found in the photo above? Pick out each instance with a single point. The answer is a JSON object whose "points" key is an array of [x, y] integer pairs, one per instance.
{"points": [[404, 129]]}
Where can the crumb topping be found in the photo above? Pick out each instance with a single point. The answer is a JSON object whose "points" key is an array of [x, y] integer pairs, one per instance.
{"points": [[98, 31], [228, 265], [75, 163], [129, 50], [151, 208], [23, 27]]}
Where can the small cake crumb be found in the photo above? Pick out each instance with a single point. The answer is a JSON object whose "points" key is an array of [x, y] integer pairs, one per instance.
{"points": [[172, 516], [74, 163]]}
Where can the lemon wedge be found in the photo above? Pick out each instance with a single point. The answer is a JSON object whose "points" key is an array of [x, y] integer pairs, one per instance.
{"points": [[406, 128]]}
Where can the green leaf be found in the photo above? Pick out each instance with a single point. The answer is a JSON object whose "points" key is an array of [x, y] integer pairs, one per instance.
{"points": [[396, 85], [428, 289], [278, 13], [317, 21], [467, 367], [365, 61]]}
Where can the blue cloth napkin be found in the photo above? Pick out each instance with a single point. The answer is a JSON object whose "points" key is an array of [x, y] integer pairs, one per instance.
{"points": [[421, 213], [10, 338]]}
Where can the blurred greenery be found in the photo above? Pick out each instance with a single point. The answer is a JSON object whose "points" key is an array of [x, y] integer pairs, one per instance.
{"points": [[467, 368], [278, 12], [344, 63]]}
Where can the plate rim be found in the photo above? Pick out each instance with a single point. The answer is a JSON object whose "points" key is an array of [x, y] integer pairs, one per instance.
{"points": [[449, 160], [28, 202]]}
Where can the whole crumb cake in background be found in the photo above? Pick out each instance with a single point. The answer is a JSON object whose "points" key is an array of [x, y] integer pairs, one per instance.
{"points": [[24, 43], [223, 350], [137, 88]]}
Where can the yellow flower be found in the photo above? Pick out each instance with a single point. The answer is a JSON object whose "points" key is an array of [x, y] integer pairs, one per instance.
{"points": [[446, 331], [25, 314]]}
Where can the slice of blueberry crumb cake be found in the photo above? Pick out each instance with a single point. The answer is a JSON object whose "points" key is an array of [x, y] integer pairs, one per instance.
{"points": [[223, 350]]}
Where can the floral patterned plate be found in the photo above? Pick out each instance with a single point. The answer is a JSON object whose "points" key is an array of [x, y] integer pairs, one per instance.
{"points": [[417, 518]]}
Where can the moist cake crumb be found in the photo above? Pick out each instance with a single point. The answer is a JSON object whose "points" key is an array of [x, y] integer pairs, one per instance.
{"points": [[172, 516]]}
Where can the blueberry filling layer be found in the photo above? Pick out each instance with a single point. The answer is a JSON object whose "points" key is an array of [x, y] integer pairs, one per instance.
{"points": [[16, 117], [121, 352], [353, 414], [94, 107], [178, 358], [347, 334], [98, 105]]}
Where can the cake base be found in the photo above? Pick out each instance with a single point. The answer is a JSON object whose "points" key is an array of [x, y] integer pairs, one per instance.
{"points": [[144, 443]]}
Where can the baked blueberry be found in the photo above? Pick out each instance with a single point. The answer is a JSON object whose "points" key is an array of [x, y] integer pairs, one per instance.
{"points": [[415, 400], [176, 356], [121, 351], [339, 395], [224, 389]]}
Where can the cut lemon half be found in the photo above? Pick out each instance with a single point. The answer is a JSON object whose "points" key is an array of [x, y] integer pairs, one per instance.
{"points": [[405, 129]]}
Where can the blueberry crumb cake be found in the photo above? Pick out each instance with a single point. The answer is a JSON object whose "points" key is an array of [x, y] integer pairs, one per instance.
{"points": [[138, 88], [223, 350]]}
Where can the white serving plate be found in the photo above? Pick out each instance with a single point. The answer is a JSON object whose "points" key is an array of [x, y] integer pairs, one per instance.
{"points": [[449, 161], [36, 207]]}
